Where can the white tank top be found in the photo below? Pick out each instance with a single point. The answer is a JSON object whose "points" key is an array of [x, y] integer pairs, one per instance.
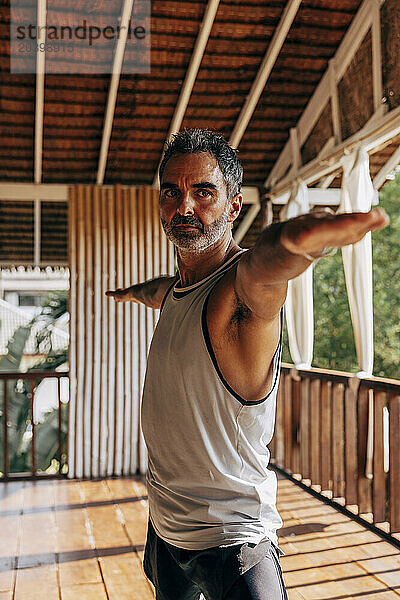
{"points": [[207, 478]]}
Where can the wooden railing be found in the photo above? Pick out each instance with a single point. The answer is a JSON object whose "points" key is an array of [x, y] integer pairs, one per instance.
{"points": [[33, 378], [341, 436]]}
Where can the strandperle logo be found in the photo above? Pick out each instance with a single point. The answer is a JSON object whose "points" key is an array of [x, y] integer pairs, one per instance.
{"points": [[80, 38], [81, 32]]}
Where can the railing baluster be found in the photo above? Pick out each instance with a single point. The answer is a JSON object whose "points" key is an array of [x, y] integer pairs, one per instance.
{"points": [[295, 421], [305, 427], [337, 441], [394, 462], [315, 431], [5, 416], [287, 416], [350, 433], [325, 436], [59, 453], [33, 428], [330, 411], [379, 477], [279, 425], [364, 484]]}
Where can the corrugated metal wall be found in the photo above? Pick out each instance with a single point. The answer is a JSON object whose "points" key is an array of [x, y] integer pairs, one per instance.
{"points": [[115, 241]]}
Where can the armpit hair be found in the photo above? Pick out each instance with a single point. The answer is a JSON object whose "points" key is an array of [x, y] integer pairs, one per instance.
{"points": [[241, 314]]}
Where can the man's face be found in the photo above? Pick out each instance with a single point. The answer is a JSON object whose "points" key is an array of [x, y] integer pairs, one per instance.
{"points": [[194, 206]]}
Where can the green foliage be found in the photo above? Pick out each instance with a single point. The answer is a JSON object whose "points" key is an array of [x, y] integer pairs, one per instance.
{"points": [[19, 402], [334, 346]]}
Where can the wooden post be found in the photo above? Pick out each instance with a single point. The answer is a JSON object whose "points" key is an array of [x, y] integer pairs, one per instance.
{"points": [[350, 416], [379, 477], [325, 435], [394, 463], [364, 484], [315, 431], [305, 423]]}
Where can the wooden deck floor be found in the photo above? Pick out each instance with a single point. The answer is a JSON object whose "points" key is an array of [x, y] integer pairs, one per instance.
{"points": [[70, 540]]}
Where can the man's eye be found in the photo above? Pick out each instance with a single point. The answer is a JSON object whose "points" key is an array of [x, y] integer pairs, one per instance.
{"points": [[204, 193], [170, 193]]}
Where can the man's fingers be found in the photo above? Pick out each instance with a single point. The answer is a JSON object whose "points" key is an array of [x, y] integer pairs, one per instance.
{"points": [[381, 218], [116, 294]]}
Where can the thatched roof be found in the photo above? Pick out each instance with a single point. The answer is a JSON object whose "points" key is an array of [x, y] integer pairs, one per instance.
{"points": [[75, 104]]}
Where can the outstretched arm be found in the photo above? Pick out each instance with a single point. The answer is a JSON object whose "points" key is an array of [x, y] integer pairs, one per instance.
{"points": [[280, 254], [150, 293]]}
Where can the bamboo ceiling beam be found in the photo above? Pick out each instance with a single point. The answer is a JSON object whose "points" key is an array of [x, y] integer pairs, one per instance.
{"points": [[113, 90], [387, 168], [264, 71], [192, 70], [254, 95]]}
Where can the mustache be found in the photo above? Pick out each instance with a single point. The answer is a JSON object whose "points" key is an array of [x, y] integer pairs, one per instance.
{"points": [[189, 220]]}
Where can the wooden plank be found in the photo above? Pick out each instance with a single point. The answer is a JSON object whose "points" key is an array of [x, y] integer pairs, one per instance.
{"points": [[363, 483], [135, 392], [119, 334], [72, 309], [337, 440], [11, 507], [315, 431], [111, 333], [105, 309], [350, 416], [86, 317], [325, 435], [37, 564], [279, 449], [98, 294], [379, 476], [78, 565], [295, 463], [127, 348], [394, 463], [330, 556], [85, 591], [287, 420], [305, 428], [120, 565]]}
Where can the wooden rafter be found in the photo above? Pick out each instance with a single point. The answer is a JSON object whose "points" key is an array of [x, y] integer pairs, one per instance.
{"points": [[387, 168], [264, 71], [192, 70], [113, 90]]}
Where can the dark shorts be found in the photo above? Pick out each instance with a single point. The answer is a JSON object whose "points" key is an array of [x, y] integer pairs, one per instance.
{"points": [[241, 572]]}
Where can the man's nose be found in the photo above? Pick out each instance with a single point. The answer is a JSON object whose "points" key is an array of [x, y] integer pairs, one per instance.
{"points": [[186, 205]]}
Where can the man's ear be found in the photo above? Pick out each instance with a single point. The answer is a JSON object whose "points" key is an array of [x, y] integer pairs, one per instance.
{"points": [[235, 206]]}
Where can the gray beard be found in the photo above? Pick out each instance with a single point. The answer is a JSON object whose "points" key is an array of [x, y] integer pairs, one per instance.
{"points": [[197, 240]]}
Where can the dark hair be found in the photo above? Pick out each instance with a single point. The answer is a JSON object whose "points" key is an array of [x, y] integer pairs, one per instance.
{"points": [[191, 141]]}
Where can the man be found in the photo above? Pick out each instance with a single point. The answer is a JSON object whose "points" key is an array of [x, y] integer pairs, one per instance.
{"points": [[209, 397]]}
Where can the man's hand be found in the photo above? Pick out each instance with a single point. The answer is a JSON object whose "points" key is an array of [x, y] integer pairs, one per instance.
{"points": [[150, 293], [120, 295], [311, 233]]}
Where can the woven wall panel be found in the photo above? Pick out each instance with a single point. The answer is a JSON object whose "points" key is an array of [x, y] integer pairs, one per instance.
{"points": [[115, 241], [54, 232], [16, 232], [322, 131], [355, 90]]}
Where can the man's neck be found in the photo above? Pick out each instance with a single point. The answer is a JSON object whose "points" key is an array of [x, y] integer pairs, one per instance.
{"points": [[194, 266]]}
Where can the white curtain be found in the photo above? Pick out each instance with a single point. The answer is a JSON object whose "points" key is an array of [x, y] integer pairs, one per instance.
{"points": [[299, 302], [357, 196]]}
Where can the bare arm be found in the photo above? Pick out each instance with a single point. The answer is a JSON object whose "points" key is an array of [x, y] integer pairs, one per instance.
{"points": [[150, 293], [264, 271]]}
